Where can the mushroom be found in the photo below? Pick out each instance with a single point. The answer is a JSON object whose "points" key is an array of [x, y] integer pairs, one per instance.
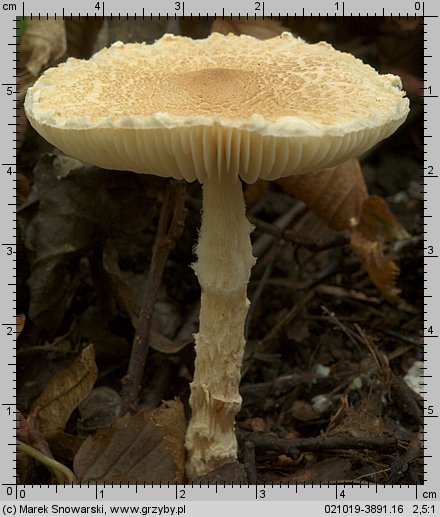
{"points": [[223, 110]]}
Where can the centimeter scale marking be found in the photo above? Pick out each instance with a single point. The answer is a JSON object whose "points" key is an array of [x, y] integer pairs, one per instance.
{"points": [[297, 491]]}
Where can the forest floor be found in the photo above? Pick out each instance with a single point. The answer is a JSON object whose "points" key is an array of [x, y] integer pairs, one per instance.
{"points": [[331, 373]]}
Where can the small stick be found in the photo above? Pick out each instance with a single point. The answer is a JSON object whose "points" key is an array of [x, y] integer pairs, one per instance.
{"points": [[270, 337], [170, 228], [281, 233], [257, 294], [249, 462], [321, 443], [261, 245]]}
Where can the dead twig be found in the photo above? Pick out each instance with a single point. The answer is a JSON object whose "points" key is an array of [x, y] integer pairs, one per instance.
{"points": [[259, 291], [294, 237], [271, 336], [340, 292], [293, 448], [170, 228], [249, 462], [264, 242], [352, 336]]}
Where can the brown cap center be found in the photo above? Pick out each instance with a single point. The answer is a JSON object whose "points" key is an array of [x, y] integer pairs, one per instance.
{"points": [[215, 85]]}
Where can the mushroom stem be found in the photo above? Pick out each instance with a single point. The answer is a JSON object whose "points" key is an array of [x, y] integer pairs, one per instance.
{"points": [[223, 268]]}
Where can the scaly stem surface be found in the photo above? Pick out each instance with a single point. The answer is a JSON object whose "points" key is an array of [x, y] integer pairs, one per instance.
{"points": [[223, 268]]}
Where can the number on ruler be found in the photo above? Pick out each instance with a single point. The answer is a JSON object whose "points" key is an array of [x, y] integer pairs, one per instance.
{"points": [[257, 6], [9, 250], [9, 90], [261, 494], [9, 171], [98, 6], [9, 331], [430, 410], [430, 250], [21, 494], [417, 6], [182, 494], [429, 169], [177, 6], [429, 89], [430, 330]]}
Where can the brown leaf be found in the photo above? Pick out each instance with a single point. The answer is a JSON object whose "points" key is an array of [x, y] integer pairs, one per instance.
{"points": [[121, 292], [65, 445], [147, 447], [362, 421], [336, 194], [376, 226], [42, 44], [259, 28], [377, 223], [166, 345], [64, 392], [407, 24], [381, 270], [303, 411], [29, 432], [230, 473], [332, 469], [23, 188], [129, 30], [339, 196], [81, 36], [20, 320], [412, 85], [254, 191], [99, 409]]}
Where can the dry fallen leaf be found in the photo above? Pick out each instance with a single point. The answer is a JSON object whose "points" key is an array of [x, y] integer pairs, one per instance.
{"points": [[81, 36], [230, 473], [42, 44], [381, 270], [254, 191], [99, 409], [377, 223], [19, 321], [376, 226], [165, 345], [336, 194], [63, 222], [412, 85], [331, 469], [128, 30], [23, 188], [147, 447], [121, 292], [361, 421], [64, 392], [339, 196], [303, 411], [259, 28]]}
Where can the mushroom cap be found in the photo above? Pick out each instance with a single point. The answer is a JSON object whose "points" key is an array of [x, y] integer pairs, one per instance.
{"points": [[225, 105]]}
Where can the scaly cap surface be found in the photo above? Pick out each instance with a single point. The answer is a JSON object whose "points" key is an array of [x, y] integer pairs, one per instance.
{"points": [[225, 105]]}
